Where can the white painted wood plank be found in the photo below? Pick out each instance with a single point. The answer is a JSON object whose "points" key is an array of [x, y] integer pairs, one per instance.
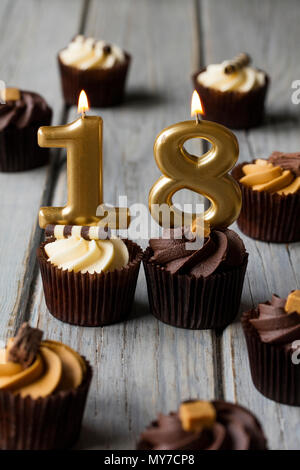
{"points": [[31, 34], [141, 367], [261, 29]]}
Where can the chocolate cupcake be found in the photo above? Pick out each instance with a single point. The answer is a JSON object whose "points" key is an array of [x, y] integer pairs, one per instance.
{"points": [[271, 198], [272, 332], [97, 67], [21, 114], [232, 93], [89, 277], [195, 288], [203, 425], [43, 391]]}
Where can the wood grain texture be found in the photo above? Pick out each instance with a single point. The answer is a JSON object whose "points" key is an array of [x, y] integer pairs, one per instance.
{"points": [[267, 32], [27, 60], [141, 366]]}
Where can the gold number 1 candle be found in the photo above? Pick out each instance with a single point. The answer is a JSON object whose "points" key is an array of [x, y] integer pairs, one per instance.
{"points": [[207, 175], [83, 141]]}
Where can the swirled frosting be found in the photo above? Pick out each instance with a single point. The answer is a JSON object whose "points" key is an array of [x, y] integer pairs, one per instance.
{"points": [[220, 251], [235, 428], [287, 161], [264, 176], [30, 109], [242, 80], [274, 325], [94, 256], [87, 53], [56, 367]]}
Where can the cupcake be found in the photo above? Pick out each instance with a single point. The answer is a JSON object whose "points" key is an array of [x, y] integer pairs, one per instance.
{"points": [[205, 425], [271, 197], [21, 114], [272, 332], [195, 288], [233, 93], [43, 390], [89, 277], [95, 66]]}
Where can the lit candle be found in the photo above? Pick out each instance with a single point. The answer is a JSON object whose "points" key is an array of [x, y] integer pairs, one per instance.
{"points": [[207, 175], [83, 141]]}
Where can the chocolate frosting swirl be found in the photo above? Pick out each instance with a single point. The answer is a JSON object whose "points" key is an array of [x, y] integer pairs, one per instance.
{"points": [[30, 109], [220, 251], [287, 161], [235, 429], [274, 325]]}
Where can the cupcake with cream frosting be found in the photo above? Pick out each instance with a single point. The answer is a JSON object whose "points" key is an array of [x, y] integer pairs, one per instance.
{"points": [[89, 276], [21, 114], [204, 425], [97, 67], [272, 332], [43, 391], [271, 197], [233, 93]]}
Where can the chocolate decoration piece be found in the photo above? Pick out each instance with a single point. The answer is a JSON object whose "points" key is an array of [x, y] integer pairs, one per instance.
{"points": [[274, 326], [240, 61], [87, 232], [287, 161], [107, 49], [235, 428], [25, 345]]}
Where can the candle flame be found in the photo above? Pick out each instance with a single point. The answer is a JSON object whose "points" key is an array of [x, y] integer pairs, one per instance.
{"points": [[196, 106], [83, 104]]}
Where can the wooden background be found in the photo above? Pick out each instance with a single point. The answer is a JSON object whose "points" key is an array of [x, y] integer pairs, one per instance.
{"points": [[142, 366]]}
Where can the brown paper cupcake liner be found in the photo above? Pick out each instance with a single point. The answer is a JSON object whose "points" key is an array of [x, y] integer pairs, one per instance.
{"points": [[19, 150], [272, 370], [104, 87], [187, 302], [90, 299], [268, 217], [232, 108], [46, 423]]}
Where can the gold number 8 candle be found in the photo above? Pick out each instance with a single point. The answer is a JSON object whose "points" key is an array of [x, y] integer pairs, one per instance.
{"points": [[207, 175]]}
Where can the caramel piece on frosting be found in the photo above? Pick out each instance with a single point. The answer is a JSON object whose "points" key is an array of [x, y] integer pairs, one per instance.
{"points": [[292, 304], [24, 347], [196, 415], [10, 94], [200, 228]]}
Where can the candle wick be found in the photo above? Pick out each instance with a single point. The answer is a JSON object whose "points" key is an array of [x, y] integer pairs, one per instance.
{"points": [[83, 114], [198, 118]]}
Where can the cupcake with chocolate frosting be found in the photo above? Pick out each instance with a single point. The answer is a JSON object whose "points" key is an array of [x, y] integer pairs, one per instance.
{"points": [[271, 197], [43, 391], [203, 425], [89, 276], [21, 114], [95, 66], [272, 332], [199, 287], [233, 93]]}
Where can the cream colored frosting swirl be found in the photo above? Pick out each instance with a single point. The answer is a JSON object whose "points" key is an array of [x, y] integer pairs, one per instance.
{"points": [[56, 367], [242, 80], [94, 256], [87, 53]]}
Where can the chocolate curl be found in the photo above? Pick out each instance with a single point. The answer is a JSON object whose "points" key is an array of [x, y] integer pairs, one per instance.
{"points": [[93, 232], [240, 61], [25, 345]]}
